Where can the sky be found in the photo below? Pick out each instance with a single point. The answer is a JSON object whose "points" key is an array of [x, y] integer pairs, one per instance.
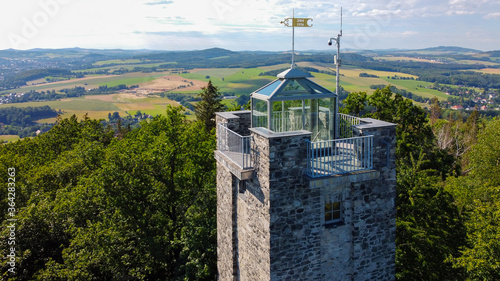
{"points": [[248, 24]]}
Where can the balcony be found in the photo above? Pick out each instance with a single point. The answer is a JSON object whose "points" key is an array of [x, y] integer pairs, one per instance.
{"points": [[327, 158], [234, 146]]}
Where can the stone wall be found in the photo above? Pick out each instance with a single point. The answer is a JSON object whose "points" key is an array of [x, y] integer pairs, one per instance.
{"points": [[363, 248], [295, 221], [374, 209], [226, 258]]}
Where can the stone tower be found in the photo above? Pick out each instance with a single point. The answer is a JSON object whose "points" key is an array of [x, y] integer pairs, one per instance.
{"points": [[303, 192]]}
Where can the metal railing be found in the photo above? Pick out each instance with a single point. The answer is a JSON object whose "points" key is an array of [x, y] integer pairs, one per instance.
{"points": [[339, 156], [236, 147], [345, 125]]}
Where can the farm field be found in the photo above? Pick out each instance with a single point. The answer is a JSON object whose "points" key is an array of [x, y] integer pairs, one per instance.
{"points": [[489, 70], [92, 81], [229, 80], [413, 86], [486, 63], [351, 81], [233, 80], [9, 138], [99, 106]]}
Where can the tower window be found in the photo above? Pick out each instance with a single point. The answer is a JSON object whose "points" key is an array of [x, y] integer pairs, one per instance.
{"points": [[333, 212]]}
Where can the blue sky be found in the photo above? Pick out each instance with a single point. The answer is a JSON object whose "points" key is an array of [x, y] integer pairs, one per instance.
{"points": [[247, 25]]}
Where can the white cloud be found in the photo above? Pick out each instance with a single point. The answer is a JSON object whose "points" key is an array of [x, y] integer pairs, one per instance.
{"points": [[409, 33], [493, 16]]}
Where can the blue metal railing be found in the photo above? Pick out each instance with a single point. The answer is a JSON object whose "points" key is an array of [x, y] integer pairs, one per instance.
{"points": [[346, 122], [236, 147], [326, 158]]}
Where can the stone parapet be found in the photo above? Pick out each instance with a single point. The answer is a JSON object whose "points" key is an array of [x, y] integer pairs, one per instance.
{"points": [[237, 121]]}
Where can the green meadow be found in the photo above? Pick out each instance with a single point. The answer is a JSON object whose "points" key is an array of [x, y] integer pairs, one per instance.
{"points": [[235, 80], [414, 87]]}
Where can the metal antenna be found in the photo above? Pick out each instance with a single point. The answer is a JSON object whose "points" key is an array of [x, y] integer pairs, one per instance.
{"points": [[340, 21], [338, 62]]}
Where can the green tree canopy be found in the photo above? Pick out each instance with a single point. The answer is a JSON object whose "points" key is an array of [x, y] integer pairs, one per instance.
{"points": [[211, 102], [94, 207], [478, 195]]}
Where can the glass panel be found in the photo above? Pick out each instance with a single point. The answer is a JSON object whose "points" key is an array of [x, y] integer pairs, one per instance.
{"points": [[336, 206], [328, 207], [314, 88], [259, 113], [336, 216], [293, 121], [312, 118], [277, 116], [328, 217], [294, 88], [286, 116], [326, 123], [269, 89]]}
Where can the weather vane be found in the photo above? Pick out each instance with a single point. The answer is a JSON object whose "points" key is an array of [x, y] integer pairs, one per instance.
{"points": [[295, 22]]}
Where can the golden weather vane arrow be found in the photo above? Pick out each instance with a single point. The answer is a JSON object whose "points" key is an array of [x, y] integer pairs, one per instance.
{"points": [[295, 22]]}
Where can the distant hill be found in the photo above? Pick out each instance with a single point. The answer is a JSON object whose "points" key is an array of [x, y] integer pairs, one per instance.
{"points": [[447, 50], [188, 55], [71, 52], [451, 49], [493, 53]]}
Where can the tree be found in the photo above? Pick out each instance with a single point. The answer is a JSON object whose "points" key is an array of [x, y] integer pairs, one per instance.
{"points": [[211, 102], [478, 195], [429, 227], [435, 110], [243, 99], [413, 132], [355, 103]]}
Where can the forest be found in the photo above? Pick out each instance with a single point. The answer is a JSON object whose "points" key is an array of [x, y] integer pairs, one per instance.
{"points": [[94, 203], [21, 78], [22, 121]]}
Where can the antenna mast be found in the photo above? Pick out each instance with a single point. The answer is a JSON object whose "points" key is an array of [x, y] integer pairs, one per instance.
{"points": [[338, 63]]}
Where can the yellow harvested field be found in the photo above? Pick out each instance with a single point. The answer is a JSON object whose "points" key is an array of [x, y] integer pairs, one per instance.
{"points": [[314, 65], [168, 83], [490, 70], [77, 80]]}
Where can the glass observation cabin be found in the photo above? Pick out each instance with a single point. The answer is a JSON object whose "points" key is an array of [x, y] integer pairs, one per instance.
{"points": [[292, 102]]}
